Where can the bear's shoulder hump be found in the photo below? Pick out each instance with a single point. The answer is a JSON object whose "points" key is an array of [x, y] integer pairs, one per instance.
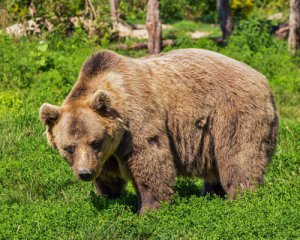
{"points": [[100, 62]]}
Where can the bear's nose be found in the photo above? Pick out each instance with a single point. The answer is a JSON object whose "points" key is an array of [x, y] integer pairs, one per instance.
{"points": [[85, 174]]}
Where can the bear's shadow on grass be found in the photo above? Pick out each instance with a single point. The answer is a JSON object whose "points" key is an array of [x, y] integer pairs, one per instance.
{"points": [[127, 199], [184, 188]]}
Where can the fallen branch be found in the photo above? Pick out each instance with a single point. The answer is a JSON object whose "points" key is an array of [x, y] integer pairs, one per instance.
{"points": [[282, 31]]}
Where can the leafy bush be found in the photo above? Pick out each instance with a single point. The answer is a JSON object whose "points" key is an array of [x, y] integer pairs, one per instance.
{"points": [[186, 9], [241, 9], [272, 6], [19, 10], [133, 11], [253, 33]]}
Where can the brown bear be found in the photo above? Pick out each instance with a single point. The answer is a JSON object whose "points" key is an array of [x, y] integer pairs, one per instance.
{"points": [[187, 112]]}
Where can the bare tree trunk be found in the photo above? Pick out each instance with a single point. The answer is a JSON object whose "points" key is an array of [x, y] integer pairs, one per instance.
{"points": [[32, 9], [154, 27], [90, 22], [225, 18], [114, 10], [90, 9], [294, 26], [4, 19]]}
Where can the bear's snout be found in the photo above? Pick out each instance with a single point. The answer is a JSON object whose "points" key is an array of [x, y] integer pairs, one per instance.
{"points": [[86, 174]]}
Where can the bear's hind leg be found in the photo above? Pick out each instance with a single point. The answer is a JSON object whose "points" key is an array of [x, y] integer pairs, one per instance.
{"points": [[243, 147], [234, 178]]}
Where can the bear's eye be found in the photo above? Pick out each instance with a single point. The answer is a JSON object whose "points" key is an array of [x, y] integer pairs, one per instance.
{"points": [[97, 144], [70, 149]]}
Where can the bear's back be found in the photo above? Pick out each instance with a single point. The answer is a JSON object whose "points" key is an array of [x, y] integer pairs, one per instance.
{"points": [[197, 76], [191, 61]]}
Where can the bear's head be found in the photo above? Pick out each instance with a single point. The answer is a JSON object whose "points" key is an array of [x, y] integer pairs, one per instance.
{"points": [[86, 133]]}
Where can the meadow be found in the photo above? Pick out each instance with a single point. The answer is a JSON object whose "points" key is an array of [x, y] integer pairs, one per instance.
{"points": [[41, 199]]}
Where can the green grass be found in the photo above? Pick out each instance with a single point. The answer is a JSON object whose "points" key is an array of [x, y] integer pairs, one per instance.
{"points": [[41, 199], [182, 27], [196, 26]]}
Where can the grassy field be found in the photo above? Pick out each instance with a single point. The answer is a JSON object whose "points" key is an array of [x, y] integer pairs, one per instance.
{"points": [[41, 199]]}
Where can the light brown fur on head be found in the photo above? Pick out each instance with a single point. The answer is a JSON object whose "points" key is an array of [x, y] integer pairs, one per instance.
{"points": [[79, 126], [188, 112]]}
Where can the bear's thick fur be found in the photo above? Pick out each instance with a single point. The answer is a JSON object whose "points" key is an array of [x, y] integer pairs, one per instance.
{"points": [[187, 112]]}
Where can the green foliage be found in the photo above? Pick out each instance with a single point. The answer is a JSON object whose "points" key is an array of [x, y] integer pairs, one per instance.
{"points": [[181, 30], [187, 9], [41, 199], [59, 14], [253, 33], [241, 9], [186, 26], [133, 11], [272, 6], [19, 63], [19, 10]]}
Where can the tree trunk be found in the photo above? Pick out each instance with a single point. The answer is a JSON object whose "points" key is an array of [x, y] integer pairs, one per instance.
{"points": [[154, 27], [225, 18], [32, 10], [90, 9], [90, 22], [114, 11], [294, 26]]}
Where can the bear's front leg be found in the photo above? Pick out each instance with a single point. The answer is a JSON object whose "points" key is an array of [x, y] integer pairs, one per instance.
{"points": [[110, 188], [153, 174], [212, 188], [110, 182]]}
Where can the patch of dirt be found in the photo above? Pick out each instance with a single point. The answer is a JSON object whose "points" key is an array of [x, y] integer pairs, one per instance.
{"points": [[199, 34], [139, 31]]}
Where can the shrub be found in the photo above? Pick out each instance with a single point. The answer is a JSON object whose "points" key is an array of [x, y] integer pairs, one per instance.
{"points": [[133, 10], [272, 6], [241, 9], [253, 33], [186, 9]]}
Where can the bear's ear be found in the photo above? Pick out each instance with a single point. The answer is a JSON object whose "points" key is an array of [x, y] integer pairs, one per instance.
{"points": [[101, 102], [49, 114]]}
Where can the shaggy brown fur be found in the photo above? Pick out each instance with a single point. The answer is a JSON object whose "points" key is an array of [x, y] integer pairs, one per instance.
{"points": [[188, 112]]}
